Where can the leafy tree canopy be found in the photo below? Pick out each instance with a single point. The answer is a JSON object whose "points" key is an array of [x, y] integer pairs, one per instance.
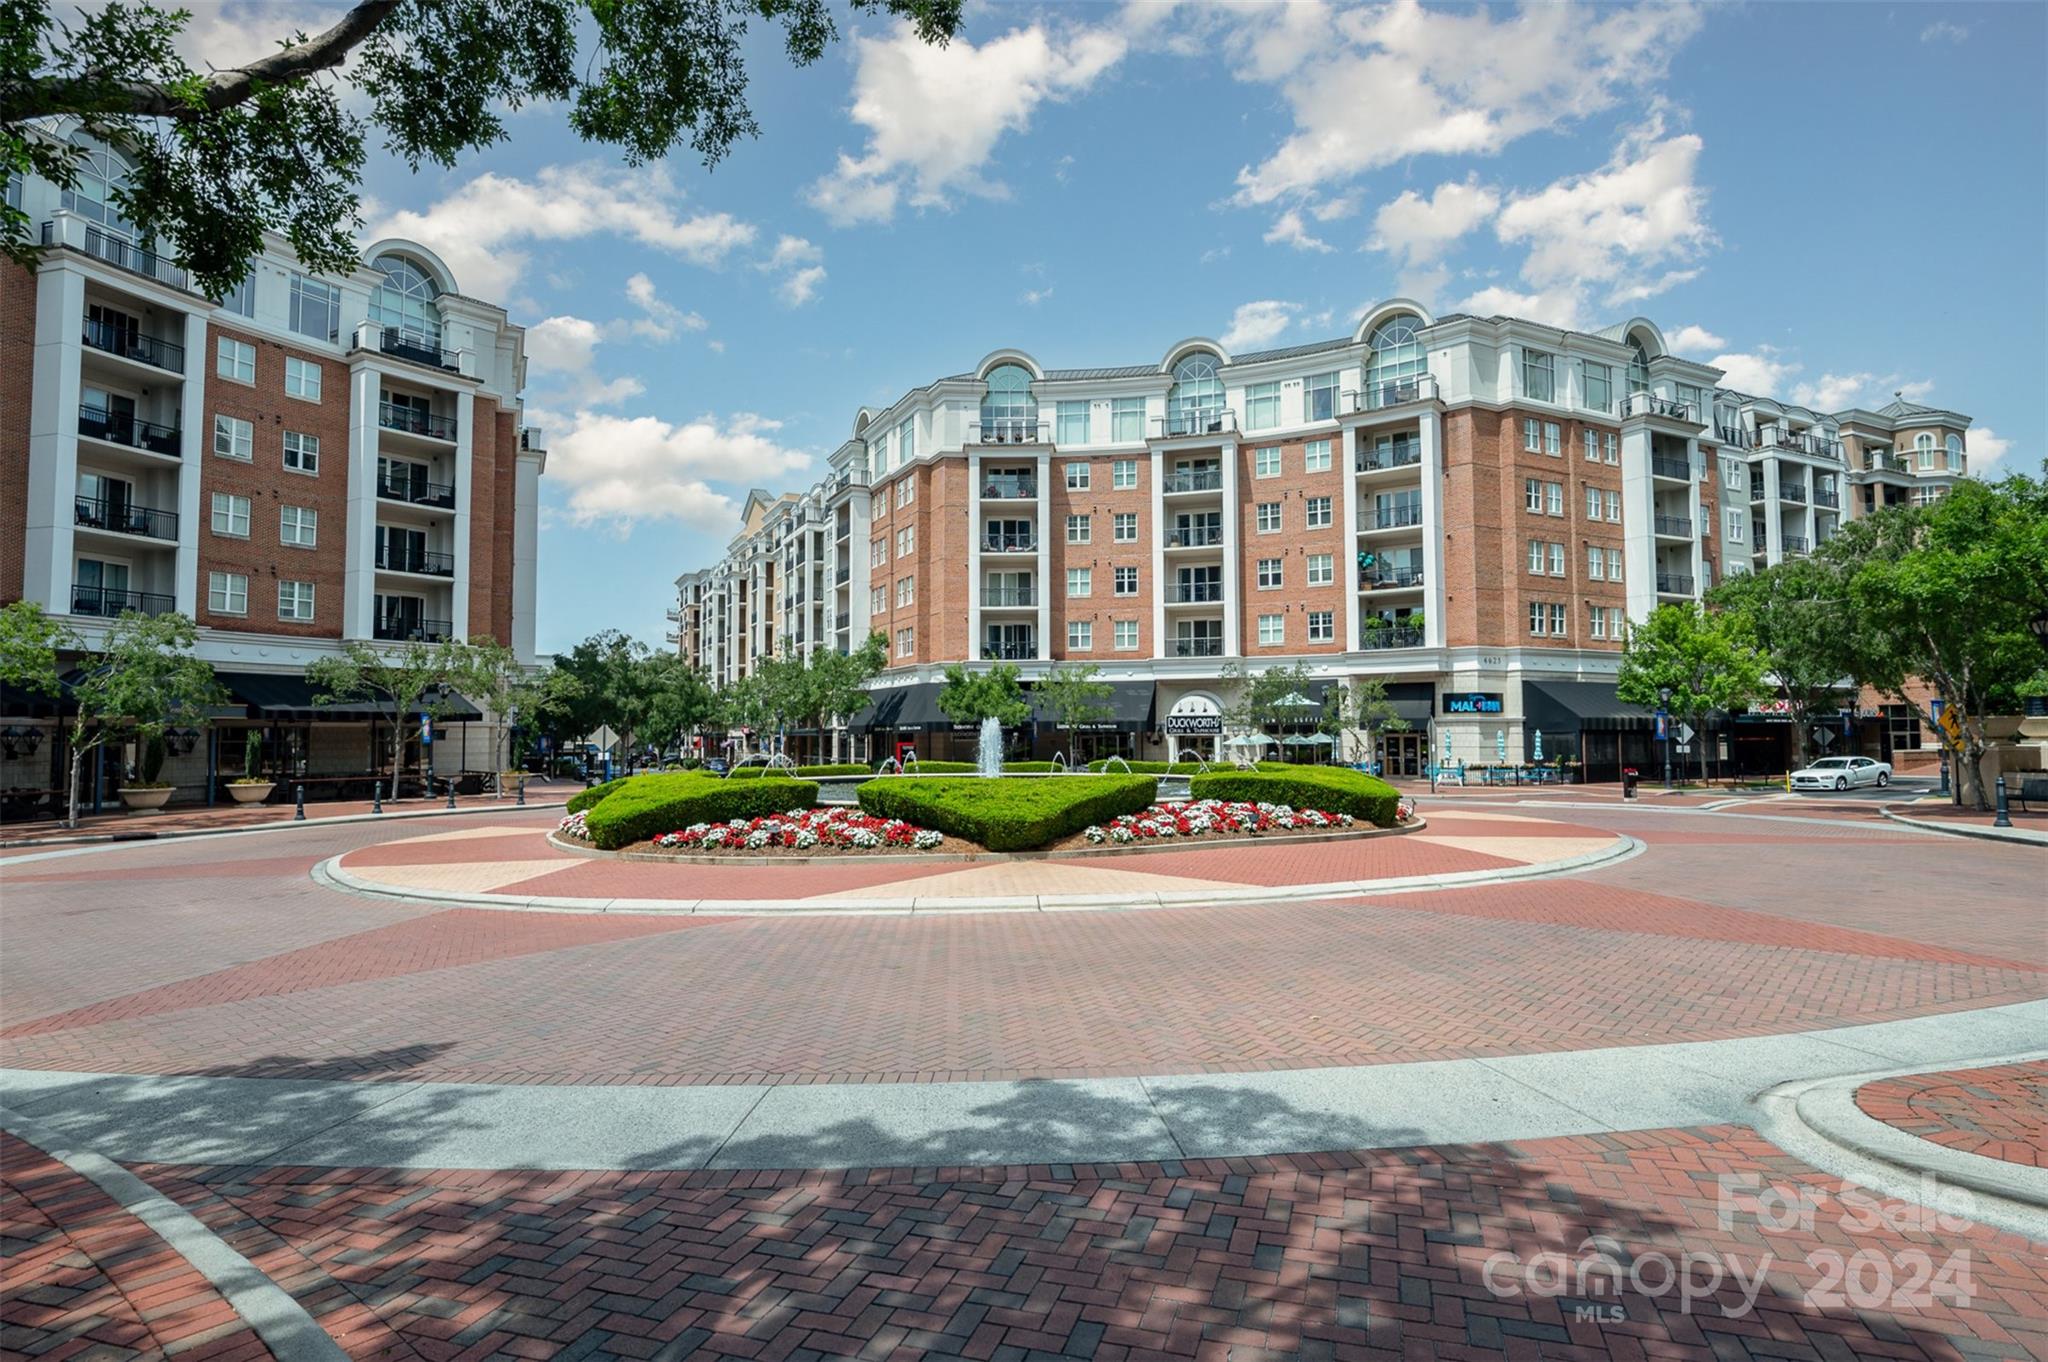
{"points": [[1073, 694], [969, 696], [29, 643]]}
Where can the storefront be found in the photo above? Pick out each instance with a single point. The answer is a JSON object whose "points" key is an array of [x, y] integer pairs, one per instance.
{"points": [[1117, 732], [1584, 722], [1194, 728]]}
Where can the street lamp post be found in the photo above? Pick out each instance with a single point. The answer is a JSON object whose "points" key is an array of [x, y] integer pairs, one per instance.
{"points": [[1664, 722]]}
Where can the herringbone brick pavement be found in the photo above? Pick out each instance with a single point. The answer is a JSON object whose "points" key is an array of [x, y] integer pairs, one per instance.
{"points": [[2000, 1112]]}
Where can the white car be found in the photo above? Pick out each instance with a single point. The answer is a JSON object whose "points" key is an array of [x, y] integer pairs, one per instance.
{"points": [[1839, 773]]}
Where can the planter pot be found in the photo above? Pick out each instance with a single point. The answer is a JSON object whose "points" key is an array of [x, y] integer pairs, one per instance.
{"points": [[2002, 727], [252, 794], [139, 800]]}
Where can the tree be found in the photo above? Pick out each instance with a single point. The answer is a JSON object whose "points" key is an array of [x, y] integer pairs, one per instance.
{"points": [[1706, 660], [29, 643], [611, 686], [418, 680], [224, 154], [1272, 696], [678, 700], [1943, 594], [1367, 708], [968, 697], [1073, 696], [838, 682], [143, 678], [1794, 612]]}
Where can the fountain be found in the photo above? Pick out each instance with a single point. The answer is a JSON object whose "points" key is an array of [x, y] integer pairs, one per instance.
{"points": [[1115, 761], [889, 767], [772, 761], [1059, 764], [988, 753]]}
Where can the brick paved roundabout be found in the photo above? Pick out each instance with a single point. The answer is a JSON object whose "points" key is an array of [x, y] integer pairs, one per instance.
{"points": [[1377, 1118]]}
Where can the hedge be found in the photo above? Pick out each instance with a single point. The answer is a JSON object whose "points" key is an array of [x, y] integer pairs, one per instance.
{"points": [[800, 772], [650, 805], [1331, 789], [1153, 768], [583, 799], [1008, 815], [942, 767]]}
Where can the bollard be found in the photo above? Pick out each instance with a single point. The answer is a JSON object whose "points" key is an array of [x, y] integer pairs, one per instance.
{"points": [[522, 789], [377, 795], [299, 804], [2004, 818], [451, 792]]}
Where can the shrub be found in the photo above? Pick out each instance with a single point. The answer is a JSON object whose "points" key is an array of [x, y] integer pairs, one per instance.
{"points": [[1333, 789], [944, 767], [1008, 815], [646, 806], [584, 799], [1152, 768], [800, 772], [1027, 767]]}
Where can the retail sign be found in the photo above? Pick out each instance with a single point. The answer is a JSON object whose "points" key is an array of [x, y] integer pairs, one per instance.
{"points": [[426, 730], [1777, 709], [1473, 702], [1194, 725]]}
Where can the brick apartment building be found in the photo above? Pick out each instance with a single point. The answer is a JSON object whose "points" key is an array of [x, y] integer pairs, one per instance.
{"points": [[308, 461], [1470, 509]]}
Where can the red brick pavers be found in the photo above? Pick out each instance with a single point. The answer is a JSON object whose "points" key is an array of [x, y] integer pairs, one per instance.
{"points": [[1999, 1112], [227, 817], [1436, 1252], [84, 1278]]}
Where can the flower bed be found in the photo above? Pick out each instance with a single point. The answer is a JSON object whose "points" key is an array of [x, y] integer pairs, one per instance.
{"points": [[802, 830], [1210, 819]]}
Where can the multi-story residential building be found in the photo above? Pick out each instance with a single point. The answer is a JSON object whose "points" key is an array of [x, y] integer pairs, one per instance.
{"points": [[1469, 509], [308, 461]]}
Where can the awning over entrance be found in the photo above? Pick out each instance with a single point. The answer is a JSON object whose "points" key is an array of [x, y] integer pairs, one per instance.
{"points": [[283, 698], [904, 707], [1129, 704], [1564, 705]]}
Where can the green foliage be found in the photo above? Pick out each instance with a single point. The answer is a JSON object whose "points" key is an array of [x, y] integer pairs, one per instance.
{"points": [[1331, 789], [1072, 695], [801, 772], [29, 643], [252, 754], [584, 799], [1706, 660], [1148, 768], [224, 151], [942, 768], [1365, 706], [971, 695], [646, 806], [1028, 767], [143, 679], [1794, 612], [152, 764], [413, 678], [1008, 815], [1271, 697]]}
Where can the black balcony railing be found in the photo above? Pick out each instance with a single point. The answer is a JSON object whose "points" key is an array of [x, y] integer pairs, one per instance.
{"points": [[842, 575], [1674, 584], [1399, 455], [405, 630], [1198, 647], [1194, 421], [1671, 466], [1831, 500], [1675, 525], [1009, 595], [1389, 636], [1391, 393], [1795, 543], [1393, 577], [131, 344], [125, 517], [1194, 593], [119, 428], [1193, 480], [423, 561], [845, 618], [1009, 652], [121, 253], [417, 492], [1649, 404], [1803, 442], [1733, 437], [1010, 543], [415, 347], [104, 603], [1788, 491], [413, 421], [1396, 517], [1194, 536], [1014, 430], [1008, 487]]}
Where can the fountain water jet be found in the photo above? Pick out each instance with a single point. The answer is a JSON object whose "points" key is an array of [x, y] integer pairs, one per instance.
{"points": [[988, 752]]}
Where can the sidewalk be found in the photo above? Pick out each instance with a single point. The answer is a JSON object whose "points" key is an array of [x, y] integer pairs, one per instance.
{"points": [[1937, 813]]}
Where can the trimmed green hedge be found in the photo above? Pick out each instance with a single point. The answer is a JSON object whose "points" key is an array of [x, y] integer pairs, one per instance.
{"points": [[801, 772], [1332, 789], [1028, 768], [951, 768], [1008, 815], [1154, 768], [647, 806], [583, 799]]}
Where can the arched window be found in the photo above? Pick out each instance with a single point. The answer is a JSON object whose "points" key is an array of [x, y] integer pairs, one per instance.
{"points": [[1009, 413], [1955, 453], [1638, 367], [1923, 450], [1397, 361], [100, 174], [1195, 405], [404, 303]]}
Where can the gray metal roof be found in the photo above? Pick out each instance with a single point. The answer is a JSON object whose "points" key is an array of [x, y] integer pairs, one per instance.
{"points": [[1109, 371], [1292, 351]]}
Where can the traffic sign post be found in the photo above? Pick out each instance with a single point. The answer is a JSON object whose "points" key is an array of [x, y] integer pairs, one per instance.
{"points": [[1664, 734]]}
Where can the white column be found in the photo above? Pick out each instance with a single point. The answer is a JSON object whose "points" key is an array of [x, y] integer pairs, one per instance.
{"points": [[1638, 522], [191, 420], [1775, 545], [1348, 442], [359, 572], [53, 439], [1043, 516], [1233, 585], [975, 531], [1159, 529], [466, 492], [1699, 553], [526, 554], [1432, 530]]}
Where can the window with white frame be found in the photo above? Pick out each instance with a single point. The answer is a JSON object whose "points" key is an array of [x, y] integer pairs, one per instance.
{"points": [[1080, 635], [1596, 619], [234, 359], [1596, 562], [1737, 524], [1072, 424], [1315, 456], [1553, 498], [1599, 387], [906, 591], [1536, 556], [1592, 439], [1126, 419], [1262, 406], [1077, 475], [878, 600], [1321, 512], [1268, 517], [1538, 618], [1080, 529], [906, 490], [1322, 626], [1592, 503], [233, 438], [1124, 527], [230, 515], [1080, 581], [1319, 397], [1560, 621], [1556, 559], [1923, 451], [1126, 581], [906, 541], [298, 526], [906, 440], [1125, 635], [1611, 443], [1532, 435], [1553, 439], [301, 452], [227, 593], [1955, 453], [1266, 462], [906, 642], [1532, 495], [1123, 474], [1270, 574], [1539, 375], [294, 601], [878, 552], [1272, 631], [301, 379], [315, 308], [1613, 502], [1322, 569]]}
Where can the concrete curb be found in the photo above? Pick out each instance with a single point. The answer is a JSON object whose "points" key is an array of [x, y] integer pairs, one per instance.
{"points": [[114, 840], [331, 874], [1818, 1120], [281, 1322], [2015, 836]]}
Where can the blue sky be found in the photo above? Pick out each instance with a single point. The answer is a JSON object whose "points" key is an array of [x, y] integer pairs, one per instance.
{"points": [[1833, 202]]}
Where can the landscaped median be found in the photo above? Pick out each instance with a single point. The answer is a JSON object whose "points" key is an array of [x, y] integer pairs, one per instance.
{"points": [[641, 808], [1331, 789], [1008, 815]]}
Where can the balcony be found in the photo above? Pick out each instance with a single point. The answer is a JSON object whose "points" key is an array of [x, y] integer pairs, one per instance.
{"points": [[1395, 579], [1009, 652], [102, 603], [425, 563], [1396, 517], [1009, 543], [1194, 537], [842, 575], [1372, 639], [416, 492], [1401, 455], [1009, 487], [1829, 500], [122, 517], [1649, 404], [1733, 437], [1192, 480], [1197, 647], [1795, 543], [119, 428], [1180, 425], [1000, 597], [1792, 491], [120, 340], [413, 421], [1674, 466], [1398, 393], [1194, 593], [1802, 442], [1674, 584], [419, 349], [1013, 431], [402, 630], [844, 620], [1674, 526], [80, 235]]}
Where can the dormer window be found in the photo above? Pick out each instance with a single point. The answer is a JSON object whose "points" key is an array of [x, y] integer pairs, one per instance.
{"points": [[1195, 404], [1638, 367], [1009, 413], [404, 303], [1397, 359], [101, 176]]}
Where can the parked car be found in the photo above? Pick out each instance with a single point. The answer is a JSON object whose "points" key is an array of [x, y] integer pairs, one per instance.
{"points": [[715, 765], [1839, 773]]}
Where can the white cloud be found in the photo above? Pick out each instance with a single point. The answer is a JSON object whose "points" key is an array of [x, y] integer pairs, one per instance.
{"points": [[933, 115], [1835, 392], [1256, 324], [479, 228], [1373, 86], [1552, 307], [561, 357], [1985, 451], [1693, 340], [802, 267], [660, 319], [1418, 230], [1759, 373], [1941, 31], [1289, 230], [620, 470], [1032, 297]]}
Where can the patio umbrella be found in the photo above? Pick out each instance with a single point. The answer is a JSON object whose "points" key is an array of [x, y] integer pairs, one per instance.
{"points": [[1294, 699], [1248, 740]]}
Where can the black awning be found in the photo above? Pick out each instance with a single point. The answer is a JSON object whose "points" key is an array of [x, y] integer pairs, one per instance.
{"points": [[19, 702], [903, 707], [1564, 705], [1129, 704], [283, 697]]}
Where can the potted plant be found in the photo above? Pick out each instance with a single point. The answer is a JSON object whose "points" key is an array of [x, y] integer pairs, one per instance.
{"points": [[249, 787], [148, 792]]}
